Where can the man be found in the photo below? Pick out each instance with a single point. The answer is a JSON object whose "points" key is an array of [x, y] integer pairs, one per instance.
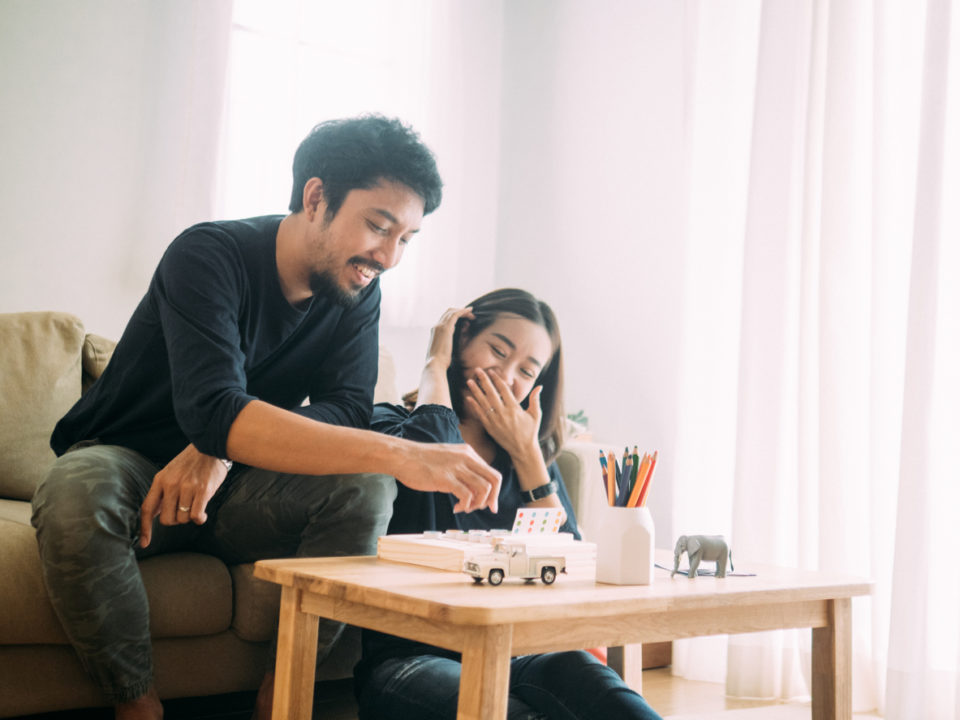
{"points": [[241, 322]]}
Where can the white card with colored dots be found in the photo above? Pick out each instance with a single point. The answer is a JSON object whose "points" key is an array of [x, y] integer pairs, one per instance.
{"points": [[539, 521]]}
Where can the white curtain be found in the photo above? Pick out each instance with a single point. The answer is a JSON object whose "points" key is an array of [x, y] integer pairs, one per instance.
{"points": [[820, 386]]}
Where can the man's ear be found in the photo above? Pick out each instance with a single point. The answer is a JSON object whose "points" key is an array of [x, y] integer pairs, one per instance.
{"points": [[313, 200]]}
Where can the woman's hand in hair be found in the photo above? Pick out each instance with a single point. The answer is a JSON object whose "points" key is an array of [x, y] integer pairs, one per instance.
{"points": [[440, 350], [434, 388], [514, 429]]}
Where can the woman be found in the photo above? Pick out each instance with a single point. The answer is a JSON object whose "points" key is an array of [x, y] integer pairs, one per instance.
{"points": [[493, 379]]}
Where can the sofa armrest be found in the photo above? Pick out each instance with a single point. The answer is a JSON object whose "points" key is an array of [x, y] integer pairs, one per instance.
{"points": [[94, 356], [580, 467]]}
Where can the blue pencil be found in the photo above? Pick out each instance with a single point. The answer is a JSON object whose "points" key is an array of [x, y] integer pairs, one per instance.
{"points": [[603, 472], [625, 484]]}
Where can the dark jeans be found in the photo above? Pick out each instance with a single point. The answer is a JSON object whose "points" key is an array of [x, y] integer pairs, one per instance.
{"points": [[561, 686], [87, 515]]}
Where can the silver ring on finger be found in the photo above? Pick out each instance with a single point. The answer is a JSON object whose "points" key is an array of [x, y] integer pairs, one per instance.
{"points": [[184, 508], [491, 410]]}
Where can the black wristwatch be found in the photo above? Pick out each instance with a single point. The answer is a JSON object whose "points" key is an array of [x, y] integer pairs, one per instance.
{"points": [[539, 493]]}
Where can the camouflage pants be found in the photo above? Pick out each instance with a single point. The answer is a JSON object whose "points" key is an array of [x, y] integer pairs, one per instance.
{"points": [[87, 515]]}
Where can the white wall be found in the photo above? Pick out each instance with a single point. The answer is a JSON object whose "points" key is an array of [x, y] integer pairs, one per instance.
{"points": [[85, 87], [558, 126], [590, 206]]}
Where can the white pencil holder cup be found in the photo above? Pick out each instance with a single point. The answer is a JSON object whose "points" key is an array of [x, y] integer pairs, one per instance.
{"points": [[624, 542]]}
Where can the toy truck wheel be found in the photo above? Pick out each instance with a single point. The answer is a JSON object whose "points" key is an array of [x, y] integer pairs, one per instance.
{"points": [[478, 580], [496, 576], [548, 575]]}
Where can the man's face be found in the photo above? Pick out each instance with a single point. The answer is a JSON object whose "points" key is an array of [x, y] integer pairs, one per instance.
{"points": [[366, 237]]}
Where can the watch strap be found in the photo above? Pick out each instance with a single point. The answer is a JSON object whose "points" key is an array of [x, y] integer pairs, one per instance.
{"points": [[538, 493]]}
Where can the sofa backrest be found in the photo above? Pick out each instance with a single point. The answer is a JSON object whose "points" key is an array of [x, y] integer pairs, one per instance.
{"points": [[46, 362], [40, 379]]}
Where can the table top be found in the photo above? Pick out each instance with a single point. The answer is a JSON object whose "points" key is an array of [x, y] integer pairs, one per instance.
{"points": [[454, 597]]}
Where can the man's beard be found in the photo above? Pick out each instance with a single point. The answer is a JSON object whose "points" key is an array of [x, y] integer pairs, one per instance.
{"points": [[324, 284]]}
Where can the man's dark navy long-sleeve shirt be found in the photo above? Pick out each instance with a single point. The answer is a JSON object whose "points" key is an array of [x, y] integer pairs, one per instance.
{"points": [[214, 332]]}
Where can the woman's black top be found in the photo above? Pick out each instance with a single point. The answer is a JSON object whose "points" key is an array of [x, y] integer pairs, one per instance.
{"points": [[416, 512]]}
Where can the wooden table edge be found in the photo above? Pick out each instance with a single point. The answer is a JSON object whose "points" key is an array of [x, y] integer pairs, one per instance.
{"points": [[280, 572]]}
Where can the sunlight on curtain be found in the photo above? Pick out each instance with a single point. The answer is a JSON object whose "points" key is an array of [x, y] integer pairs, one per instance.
{"points": [[837, 445], [295, 63], [923, 678], [721, 50], [721, 54]]}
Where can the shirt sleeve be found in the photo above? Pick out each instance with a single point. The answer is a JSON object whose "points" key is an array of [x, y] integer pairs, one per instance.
{"points": [[198, 290], [341, 390], [427, 423]]}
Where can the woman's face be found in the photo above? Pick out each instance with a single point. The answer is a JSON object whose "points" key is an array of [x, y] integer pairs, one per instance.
{"points": [[515, 348]]}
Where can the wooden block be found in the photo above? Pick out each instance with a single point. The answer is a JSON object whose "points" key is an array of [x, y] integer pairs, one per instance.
{"points": [[448, 551]]}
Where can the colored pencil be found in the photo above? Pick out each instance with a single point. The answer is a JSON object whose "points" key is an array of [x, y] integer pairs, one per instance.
{"points": [[638, 485], [611, 479], [623, 489], [603, 471], [646, 482]]}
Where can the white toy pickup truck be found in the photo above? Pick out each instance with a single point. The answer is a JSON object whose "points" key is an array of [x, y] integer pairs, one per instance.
{"points": [[511, 559]]}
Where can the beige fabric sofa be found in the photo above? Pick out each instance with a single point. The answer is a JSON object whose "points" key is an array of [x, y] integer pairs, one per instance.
{"points": [[211, 623]]}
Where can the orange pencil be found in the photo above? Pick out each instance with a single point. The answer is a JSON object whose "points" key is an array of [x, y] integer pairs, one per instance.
{"points": [[638, 484], [646, 483], [611, 479]]}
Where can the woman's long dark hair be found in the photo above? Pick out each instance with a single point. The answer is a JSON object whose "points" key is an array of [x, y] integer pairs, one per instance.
{"points": [[486, 309]]}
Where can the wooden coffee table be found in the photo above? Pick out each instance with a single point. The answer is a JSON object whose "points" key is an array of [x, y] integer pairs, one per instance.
{"points": [[489, 625]]}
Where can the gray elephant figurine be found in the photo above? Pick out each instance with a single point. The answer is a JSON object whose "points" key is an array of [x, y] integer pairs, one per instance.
{"points": [[712, 548]]}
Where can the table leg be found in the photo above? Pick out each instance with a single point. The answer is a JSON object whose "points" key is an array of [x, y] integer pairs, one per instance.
{"points": [[485, 674], [832, 694], [627, 660], [296, 659]]}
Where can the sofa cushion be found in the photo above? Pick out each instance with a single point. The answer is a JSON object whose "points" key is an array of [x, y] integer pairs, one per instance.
{"points": [[39, 382], [27, 615], [256, 608], [16, 510], [190, 594], [256, 605]]}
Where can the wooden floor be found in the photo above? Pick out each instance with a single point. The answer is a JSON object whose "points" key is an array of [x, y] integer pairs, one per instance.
{"points": [[673, 696], [668, 695]]}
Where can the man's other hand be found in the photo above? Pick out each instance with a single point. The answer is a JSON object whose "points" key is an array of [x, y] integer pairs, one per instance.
{"points": [[180, 492], [451, 468]]}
